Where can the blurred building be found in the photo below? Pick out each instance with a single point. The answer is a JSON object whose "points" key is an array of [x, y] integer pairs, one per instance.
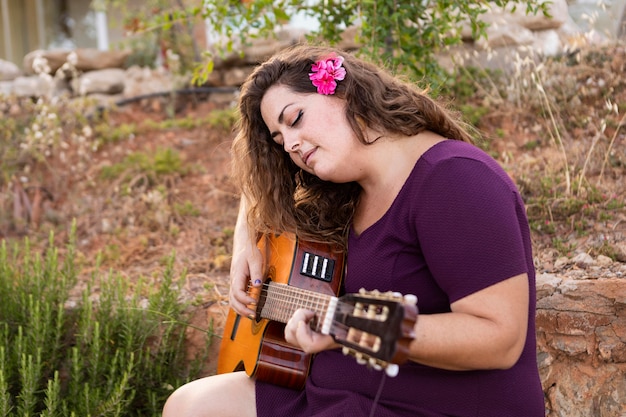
{"points": [[27, 25]]}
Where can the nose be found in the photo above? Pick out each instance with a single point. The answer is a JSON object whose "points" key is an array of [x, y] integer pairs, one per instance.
{"points": [[291, 143]]}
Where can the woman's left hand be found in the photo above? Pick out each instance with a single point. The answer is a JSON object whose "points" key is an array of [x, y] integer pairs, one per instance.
{"points": [[298, 332]]}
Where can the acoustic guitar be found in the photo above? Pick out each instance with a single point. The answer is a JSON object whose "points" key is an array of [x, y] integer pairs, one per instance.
{"points": [[376, 328]]}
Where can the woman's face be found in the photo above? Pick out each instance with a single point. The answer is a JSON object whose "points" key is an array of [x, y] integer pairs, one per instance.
{"points": [[313, 129]]}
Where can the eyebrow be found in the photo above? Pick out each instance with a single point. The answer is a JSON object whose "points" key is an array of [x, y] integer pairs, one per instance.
{"points": [[281, 117]]}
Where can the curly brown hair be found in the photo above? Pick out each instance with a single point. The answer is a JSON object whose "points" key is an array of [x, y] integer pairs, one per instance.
{"points": [[283, 198]]}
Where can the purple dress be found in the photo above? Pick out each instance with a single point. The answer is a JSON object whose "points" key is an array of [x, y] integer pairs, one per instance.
{"points": [[457, 226]]}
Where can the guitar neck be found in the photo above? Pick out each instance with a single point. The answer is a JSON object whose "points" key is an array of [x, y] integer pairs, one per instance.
{"points": [[278, 302], [374, 327]]}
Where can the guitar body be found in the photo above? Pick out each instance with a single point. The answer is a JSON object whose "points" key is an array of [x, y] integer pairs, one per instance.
{"points": [[258, 346]]}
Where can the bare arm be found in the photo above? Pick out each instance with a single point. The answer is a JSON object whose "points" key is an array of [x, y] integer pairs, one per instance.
{"points": [[246, 265], [485, 330]]}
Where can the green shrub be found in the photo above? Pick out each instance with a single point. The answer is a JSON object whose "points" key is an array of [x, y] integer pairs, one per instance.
{"points": [[111, 351], [140, 168]]}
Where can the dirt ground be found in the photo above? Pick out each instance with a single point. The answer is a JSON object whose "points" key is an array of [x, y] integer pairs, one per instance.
{"points": [[132, 223]]}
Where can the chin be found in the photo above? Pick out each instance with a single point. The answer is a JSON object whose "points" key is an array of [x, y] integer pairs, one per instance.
{"points": [[328, 178], [321, 175]]}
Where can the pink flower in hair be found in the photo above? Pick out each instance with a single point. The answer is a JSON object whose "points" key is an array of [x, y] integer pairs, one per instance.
{"points": [[325, 74]]}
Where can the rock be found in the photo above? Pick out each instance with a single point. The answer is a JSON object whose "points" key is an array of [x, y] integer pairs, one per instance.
{"points": [[581, 345], [547, 43], [583, 260], [141, 81], [577, 391], [262, 49], [94, 59], [502, 19], [620, 251], [561, 262], [54, 59], [32, 86], [547, 284], [505, 34], [8, 71], [6, 88], [603, 261], [557, 9], [612, 344], [105, 81], [85, 59]]}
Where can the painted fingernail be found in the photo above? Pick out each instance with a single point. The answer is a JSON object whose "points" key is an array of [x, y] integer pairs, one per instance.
{"points": [[257, 281]]}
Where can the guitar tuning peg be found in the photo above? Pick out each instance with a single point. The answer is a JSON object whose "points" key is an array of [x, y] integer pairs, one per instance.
{"points": [[392, 370], [410, 299], [374, 364], [360, 358]]}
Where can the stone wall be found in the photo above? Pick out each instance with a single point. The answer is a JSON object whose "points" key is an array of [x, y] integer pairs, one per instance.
{"points": [[581, 343]]}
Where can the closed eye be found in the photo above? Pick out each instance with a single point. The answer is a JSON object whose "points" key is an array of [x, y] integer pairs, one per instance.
{"points": [[276, 135], [297, 119]]}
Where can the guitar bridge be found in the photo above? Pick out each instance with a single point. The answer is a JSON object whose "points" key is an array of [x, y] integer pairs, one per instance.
{"points": [[317, 266]]}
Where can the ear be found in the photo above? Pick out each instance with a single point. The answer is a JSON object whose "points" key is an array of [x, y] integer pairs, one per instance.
{"points": [[370, 134], [362, 123]]}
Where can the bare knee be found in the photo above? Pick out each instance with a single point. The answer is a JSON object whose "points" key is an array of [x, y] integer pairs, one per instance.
{"points": [[221, 395], [178, 402]]}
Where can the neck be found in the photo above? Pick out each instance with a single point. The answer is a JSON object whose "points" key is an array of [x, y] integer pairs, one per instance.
{"points": [[392, 161]]}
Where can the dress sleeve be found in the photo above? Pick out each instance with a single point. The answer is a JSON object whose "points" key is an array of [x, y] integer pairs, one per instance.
{"points": [[468, 226]]}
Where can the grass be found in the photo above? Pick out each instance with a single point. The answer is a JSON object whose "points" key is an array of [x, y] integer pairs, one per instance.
{"points": [[219, 119], [571, 109], [145, 167], [118, 354]]}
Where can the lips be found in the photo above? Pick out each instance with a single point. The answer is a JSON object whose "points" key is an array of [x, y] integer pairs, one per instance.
{"points": [[307, 155]]}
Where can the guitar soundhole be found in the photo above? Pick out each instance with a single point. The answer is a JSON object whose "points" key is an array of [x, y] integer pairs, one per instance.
{"points": [[233, 333], [318, 267]]}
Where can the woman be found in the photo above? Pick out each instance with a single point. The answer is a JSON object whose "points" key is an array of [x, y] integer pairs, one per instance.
{"points": [[335, 149]]}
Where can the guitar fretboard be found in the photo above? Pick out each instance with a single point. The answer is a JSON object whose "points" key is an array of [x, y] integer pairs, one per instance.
{"points": [[278, 302]]}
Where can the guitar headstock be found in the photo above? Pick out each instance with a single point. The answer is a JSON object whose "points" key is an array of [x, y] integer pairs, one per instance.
{"points": [[376, 328]]}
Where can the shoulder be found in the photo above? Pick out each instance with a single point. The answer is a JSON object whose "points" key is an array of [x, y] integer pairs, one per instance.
{"points": [[461, 162], [449, 149]]}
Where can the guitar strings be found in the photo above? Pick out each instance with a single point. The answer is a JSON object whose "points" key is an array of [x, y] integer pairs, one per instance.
{"points": [[284, 295], [280, 296], [281, 301]]}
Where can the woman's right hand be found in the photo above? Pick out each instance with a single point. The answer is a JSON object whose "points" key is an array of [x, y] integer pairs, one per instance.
{"points": [[246, 266]]}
